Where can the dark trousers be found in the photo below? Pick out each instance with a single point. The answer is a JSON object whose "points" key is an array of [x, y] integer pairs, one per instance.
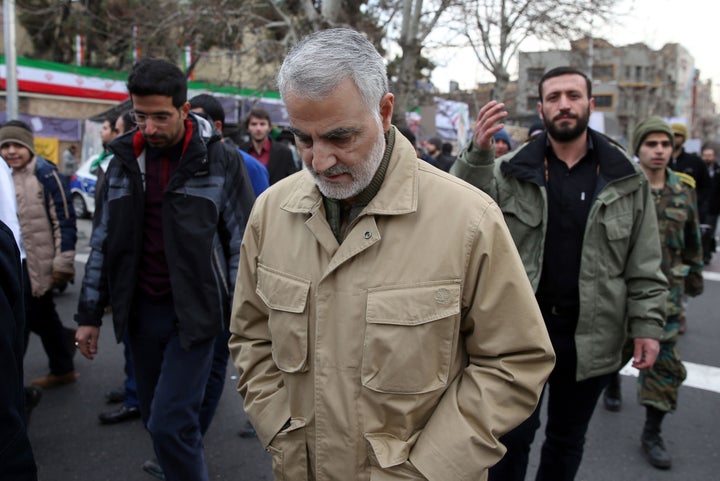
{"points": [[42, 318], [216, 381], [131, 398], [570, 405], [170, 385]]}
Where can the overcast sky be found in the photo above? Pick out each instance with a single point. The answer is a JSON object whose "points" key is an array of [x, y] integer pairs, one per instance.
{"points": [[692, 23]]}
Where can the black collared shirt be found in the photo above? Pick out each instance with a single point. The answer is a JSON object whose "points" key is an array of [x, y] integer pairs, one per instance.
{"points": [[570, 192]]}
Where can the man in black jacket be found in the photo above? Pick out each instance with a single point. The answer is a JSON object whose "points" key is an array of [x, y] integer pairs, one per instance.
{"points": [[16, 457], [275, 156], [709, 223], [165, 251], [691, 164]]}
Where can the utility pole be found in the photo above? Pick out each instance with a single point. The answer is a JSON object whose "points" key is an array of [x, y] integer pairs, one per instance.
{"points": [[11, 86]]}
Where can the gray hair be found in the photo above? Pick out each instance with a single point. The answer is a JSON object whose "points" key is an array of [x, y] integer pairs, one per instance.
{"points": [[317, 64]]}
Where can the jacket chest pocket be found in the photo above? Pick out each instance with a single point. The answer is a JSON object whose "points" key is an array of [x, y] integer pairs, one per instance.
{"points": [[409, 337], [286, 297], [617, 229], [672, 223]]}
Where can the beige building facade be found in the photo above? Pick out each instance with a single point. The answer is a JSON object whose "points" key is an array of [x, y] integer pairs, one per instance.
{"points": [[629, 83]]}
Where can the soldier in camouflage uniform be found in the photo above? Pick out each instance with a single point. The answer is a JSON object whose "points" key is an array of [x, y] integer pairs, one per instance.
{"points": [[682, 264]]}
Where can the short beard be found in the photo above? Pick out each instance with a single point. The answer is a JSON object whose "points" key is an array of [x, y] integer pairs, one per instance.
{"points": [[568, 134], [362, 174]]}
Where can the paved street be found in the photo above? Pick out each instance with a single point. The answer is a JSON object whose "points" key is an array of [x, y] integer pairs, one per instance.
{"points": [[70, 444]]}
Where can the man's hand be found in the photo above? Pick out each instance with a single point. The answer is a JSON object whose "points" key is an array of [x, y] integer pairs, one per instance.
{"points": [[86, 339], [61, 278], [487, 124], [646, 351]]}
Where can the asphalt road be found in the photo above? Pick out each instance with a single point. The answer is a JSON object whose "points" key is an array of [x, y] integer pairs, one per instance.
{"points": [[70, 444]]}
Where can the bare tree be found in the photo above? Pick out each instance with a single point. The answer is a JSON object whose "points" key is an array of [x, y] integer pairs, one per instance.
{"points": [[417, 20], [497, 28], [248, 37]]}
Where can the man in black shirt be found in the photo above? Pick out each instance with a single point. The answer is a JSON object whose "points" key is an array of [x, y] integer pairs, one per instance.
{"points": [[581, 215]]}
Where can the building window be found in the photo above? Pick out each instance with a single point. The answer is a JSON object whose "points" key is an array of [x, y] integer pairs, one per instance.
{"points": [[628, 72], [603, 101], [638, 74], [532, 103], [535, 74], [603, 72]]}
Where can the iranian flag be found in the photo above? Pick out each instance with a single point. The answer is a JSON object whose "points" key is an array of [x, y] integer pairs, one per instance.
{"points": [[50, 78]]}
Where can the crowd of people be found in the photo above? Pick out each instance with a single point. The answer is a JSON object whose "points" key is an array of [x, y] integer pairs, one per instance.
{"points": [[364, 351]]}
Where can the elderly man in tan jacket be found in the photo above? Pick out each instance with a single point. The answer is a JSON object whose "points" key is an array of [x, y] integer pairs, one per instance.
{"points": [[383, 324]]}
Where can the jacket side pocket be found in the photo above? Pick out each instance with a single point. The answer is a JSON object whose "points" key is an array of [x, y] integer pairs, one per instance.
{"points": [[289, 453]]}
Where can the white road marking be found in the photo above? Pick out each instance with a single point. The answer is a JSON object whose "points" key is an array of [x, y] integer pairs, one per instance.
{"points": [[698, 375], [711, 276]]}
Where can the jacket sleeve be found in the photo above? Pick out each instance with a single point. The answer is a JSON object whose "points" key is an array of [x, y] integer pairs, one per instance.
{"points": [[62, 218], [647, 287], [261, 383], [94, 294], [476, 166], [692, 254], [510, 357], [239, 199]]}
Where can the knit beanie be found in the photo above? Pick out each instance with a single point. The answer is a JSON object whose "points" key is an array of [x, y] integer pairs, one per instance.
{"points": [[648, 126], [503, 135], [18, 135], [679, 129]]}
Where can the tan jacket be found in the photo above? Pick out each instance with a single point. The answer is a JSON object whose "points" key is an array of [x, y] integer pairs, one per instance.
{"points": [[47, 223], [408, 349]]}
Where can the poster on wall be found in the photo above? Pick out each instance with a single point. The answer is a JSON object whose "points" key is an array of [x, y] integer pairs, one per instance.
{"points": [[452, 120], [47, 148]]}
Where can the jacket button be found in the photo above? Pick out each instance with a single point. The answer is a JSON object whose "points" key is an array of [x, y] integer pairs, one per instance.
{"points": [[367, 234]]}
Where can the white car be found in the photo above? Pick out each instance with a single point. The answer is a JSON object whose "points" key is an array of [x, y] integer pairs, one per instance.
{"points": [[82, 188]]}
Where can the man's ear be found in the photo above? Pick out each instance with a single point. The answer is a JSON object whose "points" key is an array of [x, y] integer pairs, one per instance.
{"points": [[387, 104], [184, 110]]}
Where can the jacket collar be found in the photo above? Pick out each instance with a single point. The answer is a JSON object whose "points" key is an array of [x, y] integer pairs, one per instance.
{"points": [[199, 134], [528, 163], [398, 193]]}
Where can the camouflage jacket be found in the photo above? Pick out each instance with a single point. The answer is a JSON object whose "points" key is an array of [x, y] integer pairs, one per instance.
{"points": [[682, 257]]}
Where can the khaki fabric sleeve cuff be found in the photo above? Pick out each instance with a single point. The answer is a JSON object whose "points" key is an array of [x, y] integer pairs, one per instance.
{"points": [[478, 156]]}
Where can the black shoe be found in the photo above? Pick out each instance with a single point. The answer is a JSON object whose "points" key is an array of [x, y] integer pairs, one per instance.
{"points": [[33, 395], [120, 415], [152, 467], [115, 396], [612, 398], [654, 449]]}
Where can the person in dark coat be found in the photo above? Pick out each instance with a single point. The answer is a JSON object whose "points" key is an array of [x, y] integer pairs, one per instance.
{"points": [[17, 462], [688, 163], [709, 223]]}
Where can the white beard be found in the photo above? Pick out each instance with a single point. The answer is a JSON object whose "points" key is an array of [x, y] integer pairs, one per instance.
{"points": [[362, 173]]}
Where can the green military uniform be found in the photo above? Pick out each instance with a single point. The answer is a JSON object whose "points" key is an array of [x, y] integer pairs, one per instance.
{"points": [[682, 264]]}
